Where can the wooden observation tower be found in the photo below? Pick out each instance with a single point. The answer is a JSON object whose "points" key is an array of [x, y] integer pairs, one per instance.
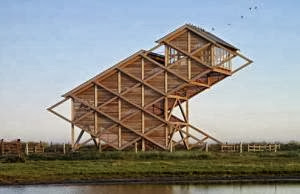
{"points": [[131, 104]]}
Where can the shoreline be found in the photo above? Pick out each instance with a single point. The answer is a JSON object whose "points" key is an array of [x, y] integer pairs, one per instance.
{"points": [[153, 168], [169, 180]]}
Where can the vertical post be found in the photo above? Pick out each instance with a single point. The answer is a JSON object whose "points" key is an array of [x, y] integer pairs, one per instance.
{"points": [[187, 120], [166, 106], [275, 149], [143, 104], [26, 149], [119, 110], [212, 56], [189, 60], [96, 105], [72, 125], [2, 147], [64, 148], [248, 147], [206, 147], [135, 147], [171, 145], [241, 147], [99, 145]]}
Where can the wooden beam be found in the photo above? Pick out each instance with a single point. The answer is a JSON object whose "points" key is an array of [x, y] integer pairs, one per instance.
{"points": [[57, 104], [141, 81], [183, 139], [166, 101], [139, 138], [59, 115], [199, 84], [131, 103], [165, 68], [182, 111], [241, 67], [104, 74], [201, 131], [143, 103], [83, 143], [171, 110], [119, 110], [187, 120], [79, 137], [177, 97], [72, 125], [96, 104], [118, 122], [188, 54]]}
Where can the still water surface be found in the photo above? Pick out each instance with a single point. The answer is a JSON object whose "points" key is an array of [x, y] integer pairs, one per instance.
{"points": [[155, 189]]}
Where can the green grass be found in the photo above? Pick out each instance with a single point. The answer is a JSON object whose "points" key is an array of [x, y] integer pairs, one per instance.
{"points": [[92, 166]]}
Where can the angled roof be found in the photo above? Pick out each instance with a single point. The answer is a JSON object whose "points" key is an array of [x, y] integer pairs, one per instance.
{"points": [[201, 32]]}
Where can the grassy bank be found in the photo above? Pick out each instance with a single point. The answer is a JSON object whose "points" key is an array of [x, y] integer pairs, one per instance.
{"points": [[91, 166]]}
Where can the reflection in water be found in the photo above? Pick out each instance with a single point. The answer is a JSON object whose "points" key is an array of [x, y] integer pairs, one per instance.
{"points": [[155, 189]]}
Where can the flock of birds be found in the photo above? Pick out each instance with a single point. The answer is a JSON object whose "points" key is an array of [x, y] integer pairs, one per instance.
{"points": [[251, 9]]}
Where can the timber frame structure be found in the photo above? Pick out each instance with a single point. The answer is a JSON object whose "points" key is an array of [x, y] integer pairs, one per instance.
{"points": [[131, 104]]}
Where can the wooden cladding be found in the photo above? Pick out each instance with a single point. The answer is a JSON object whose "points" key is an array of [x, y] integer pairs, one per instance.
{"points": [[130, 105]]}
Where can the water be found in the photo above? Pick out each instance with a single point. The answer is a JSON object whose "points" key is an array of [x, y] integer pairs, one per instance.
{"points": [[155, 189]]}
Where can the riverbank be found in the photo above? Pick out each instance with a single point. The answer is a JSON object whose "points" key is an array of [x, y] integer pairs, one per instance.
{"points": [[153, 167]]}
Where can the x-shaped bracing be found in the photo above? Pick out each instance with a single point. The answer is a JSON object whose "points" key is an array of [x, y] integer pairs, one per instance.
{"points": [[163, 95]]}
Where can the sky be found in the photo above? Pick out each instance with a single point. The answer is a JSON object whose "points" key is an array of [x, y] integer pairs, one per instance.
{"points": [[49, 47]]}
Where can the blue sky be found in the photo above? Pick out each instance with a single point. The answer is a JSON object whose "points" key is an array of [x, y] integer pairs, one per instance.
{"points": [[49, 47]]}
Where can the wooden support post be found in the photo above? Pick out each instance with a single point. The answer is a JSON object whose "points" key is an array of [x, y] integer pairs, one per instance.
{"points": [[206, 147], [212, 56], [72, 125], [189, 60], [166, 98], [171, 145], [95, 113], [2, 147], [143, 104], [187, 121], [135, 147], [26, 149], [275, 149], [248, 147], [64, 148], [100, 146], [119, 110], [241, 147]]}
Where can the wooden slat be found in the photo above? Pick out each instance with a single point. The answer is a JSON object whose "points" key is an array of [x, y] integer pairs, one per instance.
{"points": [[118, 122]]}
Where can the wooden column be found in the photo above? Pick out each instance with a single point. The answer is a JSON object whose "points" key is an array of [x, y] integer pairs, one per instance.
{"points": [[212, 55], [241, 147], [2, 147], [187, 121], [26, 149], [166, 91], [189, 77], [135, 147], [189, 60], [119, 110], [143, 104], [95, 114], [72, 125], [64, 148]]}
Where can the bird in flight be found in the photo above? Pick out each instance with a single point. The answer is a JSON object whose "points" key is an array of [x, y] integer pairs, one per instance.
{"points": [[242, 17]]}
